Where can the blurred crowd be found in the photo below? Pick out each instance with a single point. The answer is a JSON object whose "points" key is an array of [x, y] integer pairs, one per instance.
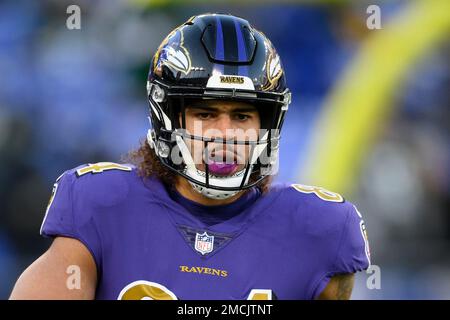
{"points": [[69, 97]]}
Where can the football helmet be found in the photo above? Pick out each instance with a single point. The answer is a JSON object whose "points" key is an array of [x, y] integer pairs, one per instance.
{"points": [[216, 56]]}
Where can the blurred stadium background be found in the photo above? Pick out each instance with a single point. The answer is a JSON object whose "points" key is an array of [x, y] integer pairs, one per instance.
{"points": [[369, 118]]}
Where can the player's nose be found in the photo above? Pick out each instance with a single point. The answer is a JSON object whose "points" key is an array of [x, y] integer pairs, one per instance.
{"points": [[225, 125]]}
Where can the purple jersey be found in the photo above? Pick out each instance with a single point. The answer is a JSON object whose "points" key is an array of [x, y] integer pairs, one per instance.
{"points": [[286, 244]]}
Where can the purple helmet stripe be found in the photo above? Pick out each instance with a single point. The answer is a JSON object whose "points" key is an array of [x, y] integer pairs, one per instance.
{"points": [[219, 54], [242, 51]]}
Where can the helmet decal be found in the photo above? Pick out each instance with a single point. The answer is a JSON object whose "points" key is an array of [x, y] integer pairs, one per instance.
{"points": [[226, 81], [273, 68], [173, 54]]}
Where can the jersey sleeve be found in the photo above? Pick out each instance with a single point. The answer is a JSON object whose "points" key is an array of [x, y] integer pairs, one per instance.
{"points": [[64, 217], [353, 252]]}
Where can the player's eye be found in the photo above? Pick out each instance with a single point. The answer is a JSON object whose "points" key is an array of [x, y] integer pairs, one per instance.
{"points": [[241, 116], [204, 115]]}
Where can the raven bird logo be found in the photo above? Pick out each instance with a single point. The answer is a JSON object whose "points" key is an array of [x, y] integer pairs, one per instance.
{"points": [[173, 54]]}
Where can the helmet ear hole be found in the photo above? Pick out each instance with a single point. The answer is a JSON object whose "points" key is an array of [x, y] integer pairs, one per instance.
{"points": [[158, 94]]}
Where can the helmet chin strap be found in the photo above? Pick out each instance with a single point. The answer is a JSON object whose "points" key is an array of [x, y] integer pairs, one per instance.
{"points": [[233, 181], [210, 192]]}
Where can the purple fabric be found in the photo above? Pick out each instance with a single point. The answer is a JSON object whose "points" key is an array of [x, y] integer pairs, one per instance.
{"points": [[242, 51], [211, 215], [285, 241]]}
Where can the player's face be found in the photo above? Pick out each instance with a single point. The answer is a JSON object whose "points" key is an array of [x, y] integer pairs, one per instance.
{"points": [[228, 120]]}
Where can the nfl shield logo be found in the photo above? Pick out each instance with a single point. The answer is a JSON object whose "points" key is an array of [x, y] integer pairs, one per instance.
{"points": [[204, 243]]}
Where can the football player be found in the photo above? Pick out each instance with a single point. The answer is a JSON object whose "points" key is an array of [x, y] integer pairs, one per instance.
{"points": [[195, 216]]}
